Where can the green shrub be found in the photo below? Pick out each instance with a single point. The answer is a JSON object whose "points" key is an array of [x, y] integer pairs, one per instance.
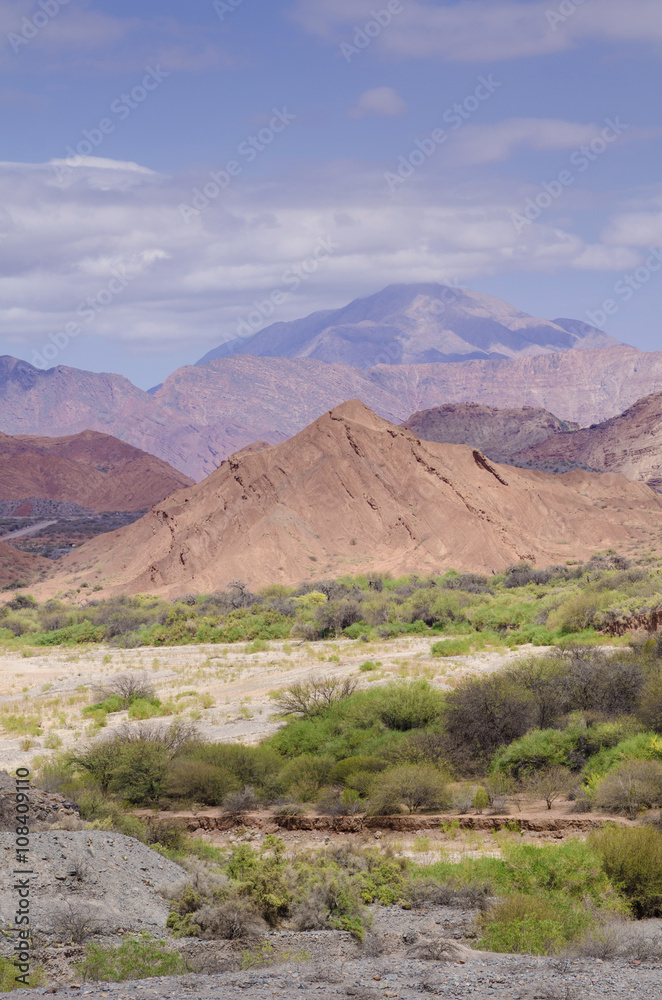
{"points": [[406, 706], [451, 647], [114, 703], [416, 787], [22, 725], [350, 765], [134, 958], [524, 925], [139, 773], [262, 878], [8, 973], [306, 775], [643, 746], [196, 781], [143, 708], [632, 858], [537, 751]]}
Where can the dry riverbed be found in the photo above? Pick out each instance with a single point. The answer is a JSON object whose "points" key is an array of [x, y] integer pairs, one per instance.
{"points": [[227, 689]]}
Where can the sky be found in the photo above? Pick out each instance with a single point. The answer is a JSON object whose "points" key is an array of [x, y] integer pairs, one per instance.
{"points": [[167, 167]]}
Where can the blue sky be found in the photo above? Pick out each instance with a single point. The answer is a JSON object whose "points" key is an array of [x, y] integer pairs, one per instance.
{"points": [[319, 123]]}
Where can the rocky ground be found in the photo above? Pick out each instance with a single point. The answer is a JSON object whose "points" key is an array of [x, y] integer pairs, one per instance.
{"points": [[406, 954], [507, 977], [113, 878]]}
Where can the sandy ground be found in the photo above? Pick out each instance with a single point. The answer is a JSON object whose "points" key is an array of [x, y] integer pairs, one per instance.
{"points": [[228, 690]]}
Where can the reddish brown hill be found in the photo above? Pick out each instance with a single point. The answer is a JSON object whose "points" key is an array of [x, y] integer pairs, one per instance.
{"points": [[89, 469], [630, 443], [499, 433], [20, 566], [353, 493]]}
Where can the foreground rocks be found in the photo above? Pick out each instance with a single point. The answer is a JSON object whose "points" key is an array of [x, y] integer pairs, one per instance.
{"points": [[508, 977], [112, 878]]}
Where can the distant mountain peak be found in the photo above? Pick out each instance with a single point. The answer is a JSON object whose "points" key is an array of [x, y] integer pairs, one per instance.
{"points": [[407, 324]]}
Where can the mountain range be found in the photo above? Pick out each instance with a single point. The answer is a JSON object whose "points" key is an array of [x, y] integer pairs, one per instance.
{"points": [[203, 413], [415, 324], [353, 493]]}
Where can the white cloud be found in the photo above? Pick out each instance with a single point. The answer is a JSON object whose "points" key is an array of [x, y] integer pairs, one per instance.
{"points": [[481, 30], [190, 282], [635, 229], [475, 144], [78, 39], [382, 101]]}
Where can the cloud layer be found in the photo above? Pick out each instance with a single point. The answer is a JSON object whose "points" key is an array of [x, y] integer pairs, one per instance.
{"points": [[125, 255], [486, 30]]}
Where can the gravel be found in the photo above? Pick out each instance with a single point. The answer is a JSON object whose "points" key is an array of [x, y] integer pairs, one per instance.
{"points": [[504, 976], [113, 876]]}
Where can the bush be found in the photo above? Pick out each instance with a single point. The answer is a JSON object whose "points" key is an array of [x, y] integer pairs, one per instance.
{"points": [[523, 924], [649, 709], [633, 786], [632, 858], [424, 892], [483, 715], [75, 922], [538, 750], [128, 688], [232, 920], [196, 781], [134, 958], [414, 786], [308, 699], [236, 803], [306, 775], [408, 706], [551, 784], [451, 647], [139, 773], [333, 902]]}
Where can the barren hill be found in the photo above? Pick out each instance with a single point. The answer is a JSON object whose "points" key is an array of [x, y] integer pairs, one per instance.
{"points": [[499, 433], [416, 324], [353, 493], [630, 443], [20, 566], [89, 469]]}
